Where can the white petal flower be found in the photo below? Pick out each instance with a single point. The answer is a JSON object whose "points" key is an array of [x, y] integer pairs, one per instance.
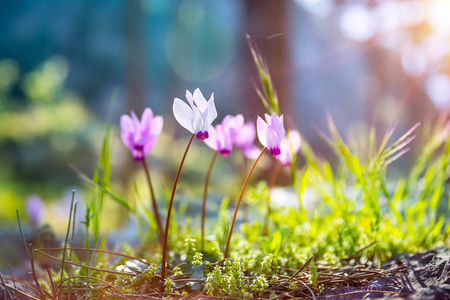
{"points": [[198, 115]]}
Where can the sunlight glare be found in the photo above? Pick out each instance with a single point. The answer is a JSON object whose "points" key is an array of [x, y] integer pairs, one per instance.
{"points": [[438, 88], [414, 60], [439, 16], [322, 8], [357, 23]]}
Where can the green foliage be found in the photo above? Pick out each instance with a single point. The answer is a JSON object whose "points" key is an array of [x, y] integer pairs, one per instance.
{"points": [[268, 94], [293, 285], [197, 260], [313, 273], [230, 281], [168, 285]]}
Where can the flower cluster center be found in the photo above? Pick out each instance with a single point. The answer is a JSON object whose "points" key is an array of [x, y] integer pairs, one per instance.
{"points": [[202, 135]]}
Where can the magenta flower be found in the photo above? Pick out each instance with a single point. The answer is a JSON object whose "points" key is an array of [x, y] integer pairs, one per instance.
{"points": [[198, 115], [140, 136], [290, 146], [220, 139], [271, 132], [243, 135]]}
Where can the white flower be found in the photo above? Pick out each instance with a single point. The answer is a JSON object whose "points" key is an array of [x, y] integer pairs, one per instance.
{"points": [[198, 115]]}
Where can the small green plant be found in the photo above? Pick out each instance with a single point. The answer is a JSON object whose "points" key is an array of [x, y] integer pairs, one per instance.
{"points": [[197, 259], [230, 281], [293, 286], [169, 285], [313, 273]]}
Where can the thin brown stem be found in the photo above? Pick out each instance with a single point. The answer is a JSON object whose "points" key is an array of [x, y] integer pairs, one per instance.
{"points": [[6, 289], [205, 193], [166, 231], [12, 277], [30, 252], [239, 202], [154, 203], [274, 174]]}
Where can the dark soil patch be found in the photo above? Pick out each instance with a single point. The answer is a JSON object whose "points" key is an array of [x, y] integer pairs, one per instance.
{"points": [[426, 275]]}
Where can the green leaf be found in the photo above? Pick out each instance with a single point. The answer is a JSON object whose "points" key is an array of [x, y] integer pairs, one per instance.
{"points": [[275, 242]]}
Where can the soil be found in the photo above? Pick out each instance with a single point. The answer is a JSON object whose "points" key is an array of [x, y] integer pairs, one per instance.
{"points": [[424, 275]]}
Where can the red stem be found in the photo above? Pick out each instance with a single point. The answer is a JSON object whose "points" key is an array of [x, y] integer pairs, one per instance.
{"points": [[239, 202], [166, 232]]}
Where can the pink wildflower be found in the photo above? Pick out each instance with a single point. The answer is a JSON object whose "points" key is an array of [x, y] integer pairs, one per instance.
{"points": [[140, 136], [271, 132], [290, 146]]}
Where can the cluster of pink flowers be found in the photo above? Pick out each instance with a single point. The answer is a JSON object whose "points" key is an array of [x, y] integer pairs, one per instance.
{"points": [[197, 116], [233, 131], [140, 135]]}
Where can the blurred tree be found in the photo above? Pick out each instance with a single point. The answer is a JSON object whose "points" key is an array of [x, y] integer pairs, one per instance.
{"points": [[135, 56]]}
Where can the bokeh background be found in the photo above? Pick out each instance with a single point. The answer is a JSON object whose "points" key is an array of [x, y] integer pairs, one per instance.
{"points": [[366, 63]]}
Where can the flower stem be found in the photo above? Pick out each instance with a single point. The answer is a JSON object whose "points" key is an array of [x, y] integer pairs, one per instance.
{"points": [[273, 177], [154, 203], [239, 202], [205, 193], [166, 232]]}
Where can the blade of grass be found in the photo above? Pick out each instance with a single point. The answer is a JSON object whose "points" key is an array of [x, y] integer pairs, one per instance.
{"points": [[66, 240], [90, 262]]}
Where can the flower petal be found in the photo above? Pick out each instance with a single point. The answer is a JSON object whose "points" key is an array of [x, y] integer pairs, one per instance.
{"points": [[212, 113], [273, 141], [199, 100], [295, 140], [127, 130], [261, 127], [149, 145], [278, 126], [189, 98], [183, 114], [156, 125], [289, 147], [197, 121], [251, 151], [245, 135], [146, 119], [211, 141], [136, 122], [238, 120]]}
